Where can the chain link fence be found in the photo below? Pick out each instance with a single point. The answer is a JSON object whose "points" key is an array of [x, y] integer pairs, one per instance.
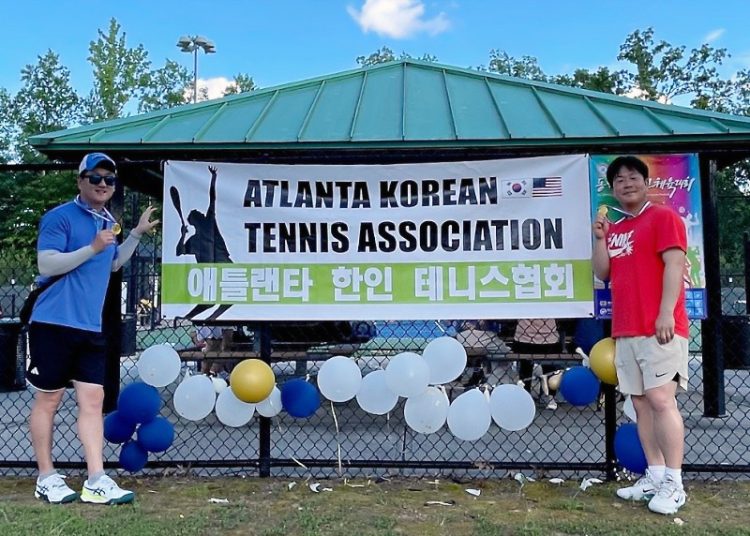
{"points": [[342, 438]]}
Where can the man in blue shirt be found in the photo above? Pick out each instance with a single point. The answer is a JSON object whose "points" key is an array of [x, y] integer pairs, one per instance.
{"points": [[77, 241]]}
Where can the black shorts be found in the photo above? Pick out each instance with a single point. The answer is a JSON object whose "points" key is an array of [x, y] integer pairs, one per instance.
{"points": [[60, 354]]}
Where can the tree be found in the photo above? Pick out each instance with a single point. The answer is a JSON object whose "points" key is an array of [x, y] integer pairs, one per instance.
{"points": [[242, 83], [7, 126], [602, 79], [46, 102], [120, 73], [385, 54], [664, 72], [525, 67], [166, 88]]}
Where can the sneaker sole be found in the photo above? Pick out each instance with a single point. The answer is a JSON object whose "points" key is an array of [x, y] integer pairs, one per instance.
{"points": [[670, 512], [644, 498], [64, 500], [125, 499]]}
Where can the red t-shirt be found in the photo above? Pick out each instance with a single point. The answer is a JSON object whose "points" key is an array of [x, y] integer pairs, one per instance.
{"points": [[635, 247]]}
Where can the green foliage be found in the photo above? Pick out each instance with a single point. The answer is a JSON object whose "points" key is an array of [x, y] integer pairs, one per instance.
{"points": [[602, 79], [167, 87], [732, 186], [120, 73], [46, 102], [525, 67], [385, 54], [24, 197], [242, 83], [664, 71]]}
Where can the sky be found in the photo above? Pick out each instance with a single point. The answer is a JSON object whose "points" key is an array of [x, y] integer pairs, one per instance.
{"points": [[280, 41]]}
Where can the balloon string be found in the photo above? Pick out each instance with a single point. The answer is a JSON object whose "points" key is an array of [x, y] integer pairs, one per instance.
{"points": [[338, 442]]}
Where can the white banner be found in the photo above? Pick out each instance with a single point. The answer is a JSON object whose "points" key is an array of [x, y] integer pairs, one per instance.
{"points": [[487, 239]]}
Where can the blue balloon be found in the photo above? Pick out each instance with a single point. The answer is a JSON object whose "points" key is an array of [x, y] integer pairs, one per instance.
{"points": [[117, 429], [157, 435], [133, 457], [139, 403], [579, 386], [299, 398], [628, 448]]}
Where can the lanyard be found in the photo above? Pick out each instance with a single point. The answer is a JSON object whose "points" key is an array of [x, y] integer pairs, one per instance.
{"points": [[107, 217]]}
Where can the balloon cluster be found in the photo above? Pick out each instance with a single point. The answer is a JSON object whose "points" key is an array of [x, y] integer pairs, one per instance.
{"points": [[419, 379], [137, 412], [138, 409], [581, 385]]}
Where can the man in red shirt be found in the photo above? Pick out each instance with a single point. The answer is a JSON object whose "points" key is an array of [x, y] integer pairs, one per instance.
{"points": [[643, 257]]}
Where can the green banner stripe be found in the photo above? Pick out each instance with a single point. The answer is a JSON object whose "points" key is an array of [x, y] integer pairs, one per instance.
{"points": [[401, 283]]}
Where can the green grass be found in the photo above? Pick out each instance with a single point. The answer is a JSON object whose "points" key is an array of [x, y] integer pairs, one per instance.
{"points": [[180, 505]]}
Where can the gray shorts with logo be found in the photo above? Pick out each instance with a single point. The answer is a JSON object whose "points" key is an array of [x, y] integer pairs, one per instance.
{"points": [[642, 363]]}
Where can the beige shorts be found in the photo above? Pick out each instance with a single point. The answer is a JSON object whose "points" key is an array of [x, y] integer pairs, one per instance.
{"points": [[642, 363]]}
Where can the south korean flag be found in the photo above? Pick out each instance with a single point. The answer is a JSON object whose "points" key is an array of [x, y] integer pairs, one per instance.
{"points": [[516, 188]]}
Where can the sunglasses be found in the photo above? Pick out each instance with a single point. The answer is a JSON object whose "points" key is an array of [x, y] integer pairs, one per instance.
{"points": [[95, 179]]}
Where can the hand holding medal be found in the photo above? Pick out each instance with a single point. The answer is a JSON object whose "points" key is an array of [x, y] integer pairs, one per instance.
{"points": [[601, 223]]}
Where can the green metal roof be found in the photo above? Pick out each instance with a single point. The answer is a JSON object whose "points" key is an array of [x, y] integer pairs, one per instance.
{"points": [[404, 104]]}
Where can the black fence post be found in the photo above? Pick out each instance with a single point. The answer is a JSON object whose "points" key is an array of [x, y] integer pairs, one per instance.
{"points": [[264, 437], [610, 427], [712, 343], [112, 321]]}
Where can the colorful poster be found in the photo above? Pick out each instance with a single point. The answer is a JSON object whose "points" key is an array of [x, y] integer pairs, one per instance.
{"points": [[477, 239], [675, 182]]}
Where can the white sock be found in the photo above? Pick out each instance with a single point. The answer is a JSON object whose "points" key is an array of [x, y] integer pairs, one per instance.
{"points": [[42, 476], [675, 475], [657, 472], [94, 477]]}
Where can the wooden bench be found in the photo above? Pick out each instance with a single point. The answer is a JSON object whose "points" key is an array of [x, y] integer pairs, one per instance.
{"points": [[279, 353]]}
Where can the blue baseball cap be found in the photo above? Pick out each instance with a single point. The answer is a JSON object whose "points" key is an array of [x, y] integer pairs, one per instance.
{"points": [[96, 160]]}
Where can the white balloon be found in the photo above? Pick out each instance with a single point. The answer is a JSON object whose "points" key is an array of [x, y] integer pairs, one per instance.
{"points": [[271, 406], [339, 379], [407, 374], [159, 365], [446, 358], [426, 413], [232, 411], [219, 384], [374, 395], [195, 397], [512, 407], [469, 415], [629, 409]]}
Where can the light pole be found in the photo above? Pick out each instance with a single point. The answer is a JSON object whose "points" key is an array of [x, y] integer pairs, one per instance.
{"points": [[191, 43]]}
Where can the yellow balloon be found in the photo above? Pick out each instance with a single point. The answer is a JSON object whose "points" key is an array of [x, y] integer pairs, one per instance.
{"points": [[252, 380], [602, 360]]}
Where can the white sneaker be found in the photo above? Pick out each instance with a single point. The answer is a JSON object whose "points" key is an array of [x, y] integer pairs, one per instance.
{"points": [[552, 404], [106, 491], [643, 490], [670, 497], [53, 489]]}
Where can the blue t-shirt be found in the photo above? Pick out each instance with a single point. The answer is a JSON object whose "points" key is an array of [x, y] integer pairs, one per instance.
{"points": [[77, 299]]}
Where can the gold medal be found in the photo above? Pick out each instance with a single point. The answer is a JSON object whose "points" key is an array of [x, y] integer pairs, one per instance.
{"points": [[116, 228], [602, 210]]}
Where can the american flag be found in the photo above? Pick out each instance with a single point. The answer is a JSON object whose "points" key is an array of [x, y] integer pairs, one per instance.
{"points": [[547, 187]]}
